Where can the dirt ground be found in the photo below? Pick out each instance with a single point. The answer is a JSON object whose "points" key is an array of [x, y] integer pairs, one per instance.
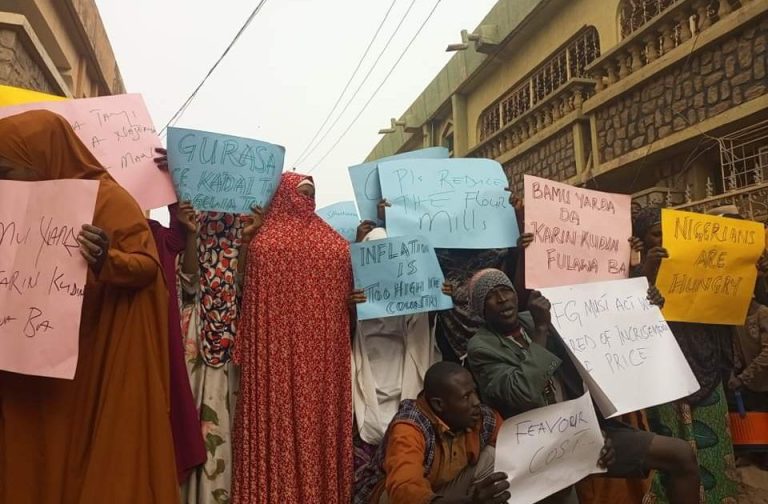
{"points": [[754, 486]]}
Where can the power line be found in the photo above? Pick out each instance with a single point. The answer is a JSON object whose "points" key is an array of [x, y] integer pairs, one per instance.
{"points": [[360, 87], [349, 82], [391, 71], [189, 100]]}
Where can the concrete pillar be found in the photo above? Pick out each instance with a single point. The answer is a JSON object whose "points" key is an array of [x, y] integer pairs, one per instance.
{"points": [[460, 125]]}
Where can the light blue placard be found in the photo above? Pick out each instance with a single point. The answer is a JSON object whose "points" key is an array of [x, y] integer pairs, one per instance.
{"points": [[365, 179], [454, 203], [342, 217], [223, 173], [400, 276]]}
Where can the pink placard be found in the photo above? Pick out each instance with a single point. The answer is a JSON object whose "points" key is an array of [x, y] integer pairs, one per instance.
{"points": [[120, 133], [580, 235], [42, 274]]}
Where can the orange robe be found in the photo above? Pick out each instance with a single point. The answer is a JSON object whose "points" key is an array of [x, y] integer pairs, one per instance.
{"points": [[104, 437]]}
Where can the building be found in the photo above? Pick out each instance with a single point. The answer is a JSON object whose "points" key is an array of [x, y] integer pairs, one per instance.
{"points": [[663, 99], [58, 47]]}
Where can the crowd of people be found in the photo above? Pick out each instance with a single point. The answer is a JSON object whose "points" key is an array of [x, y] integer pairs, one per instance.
{"points": [[221, 361]]}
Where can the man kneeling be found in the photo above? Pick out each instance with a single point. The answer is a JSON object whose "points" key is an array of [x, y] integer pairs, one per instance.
{"points": [[438, 448], [521, 364]]}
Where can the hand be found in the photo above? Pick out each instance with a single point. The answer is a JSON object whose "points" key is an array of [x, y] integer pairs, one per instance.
{"points": [[653, 261], [186, 215], [735, 383], [363, 229], [381, 210], [357, 297], [492, 490], [539, 306], [762, 264], [514, 200], [607, 454], [162, 160], [253, 223], [637, 247], [94, 246], [448, 289], [655, 297], [525, 240]]}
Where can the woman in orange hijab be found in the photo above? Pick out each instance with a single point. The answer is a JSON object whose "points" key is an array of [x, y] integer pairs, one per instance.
{"points": [[104, 437]]}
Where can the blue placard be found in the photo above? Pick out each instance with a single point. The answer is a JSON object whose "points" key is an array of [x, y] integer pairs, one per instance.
{"points": [[400, 276], [223, 173], [365, 179], [454, 203], [342, 217]]}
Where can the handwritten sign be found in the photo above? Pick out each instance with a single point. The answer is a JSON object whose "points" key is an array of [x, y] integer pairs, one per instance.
{"points": [[10, 95], [342, 217], [548, 449], [42, 274], [223, 173], [119, 132], [710, 274], [455, 203], [400, 276], [621, 345], [365, 179], [579, 235]]}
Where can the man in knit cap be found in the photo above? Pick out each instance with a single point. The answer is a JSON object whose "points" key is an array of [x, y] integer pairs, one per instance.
{"points": [[520, 363]]}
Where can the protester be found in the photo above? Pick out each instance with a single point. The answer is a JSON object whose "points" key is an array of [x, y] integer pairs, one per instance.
{"points": [[438, 448], [700, 419], [751, 374], [172, 241], [521, 364], [106, 435], [293, 424]]}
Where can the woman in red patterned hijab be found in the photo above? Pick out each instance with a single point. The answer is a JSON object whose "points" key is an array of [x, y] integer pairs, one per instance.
{"points": [[294, 417]]}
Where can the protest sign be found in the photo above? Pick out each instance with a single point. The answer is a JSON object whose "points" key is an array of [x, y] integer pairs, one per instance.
{"points": [[579, 235], [400, 276], [119, 132], [342, 217], [10, 95], [711, 271], [548, 449], [223, 173], [455, 203], [365, 179], [618, 340], [42, 274]]}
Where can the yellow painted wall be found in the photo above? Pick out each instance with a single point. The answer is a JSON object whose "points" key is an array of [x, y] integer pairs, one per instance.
{"points": [[539, 40]]}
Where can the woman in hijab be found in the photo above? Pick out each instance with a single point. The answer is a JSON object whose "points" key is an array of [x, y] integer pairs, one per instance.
{"points": [[702, 417], [294, 415], [106, 435]]}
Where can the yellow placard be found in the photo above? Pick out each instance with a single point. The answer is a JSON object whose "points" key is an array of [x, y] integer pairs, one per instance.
{"points": [[711, 271], [17, 96]]}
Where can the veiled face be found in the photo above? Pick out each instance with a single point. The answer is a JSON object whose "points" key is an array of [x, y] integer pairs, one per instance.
{"points": [[12, 171], [307, 190]]}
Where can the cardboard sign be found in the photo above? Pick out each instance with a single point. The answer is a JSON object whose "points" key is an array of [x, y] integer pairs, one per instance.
{"points": [[42, 274], [342, 217], [365, 179], [548, 449], [16, 96], [223, 173], [455, 203], [711, 271], [579, 235], [119, 132], [617, 340], [400, 276]]}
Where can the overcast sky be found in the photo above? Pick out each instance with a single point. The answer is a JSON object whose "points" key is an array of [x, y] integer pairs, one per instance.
{"points": [[286, 72]]}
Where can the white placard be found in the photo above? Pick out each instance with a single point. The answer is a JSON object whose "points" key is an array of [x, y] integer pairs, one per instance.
{"points": [[548, 449], [621, 345]]}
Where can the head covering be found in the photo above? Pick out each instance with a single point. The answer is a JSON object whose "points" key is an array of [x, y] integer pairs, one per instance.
{"points": [[724, 211], [644, 220], [376, 234], [484, 282], [294, 351], [114, 414]]}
